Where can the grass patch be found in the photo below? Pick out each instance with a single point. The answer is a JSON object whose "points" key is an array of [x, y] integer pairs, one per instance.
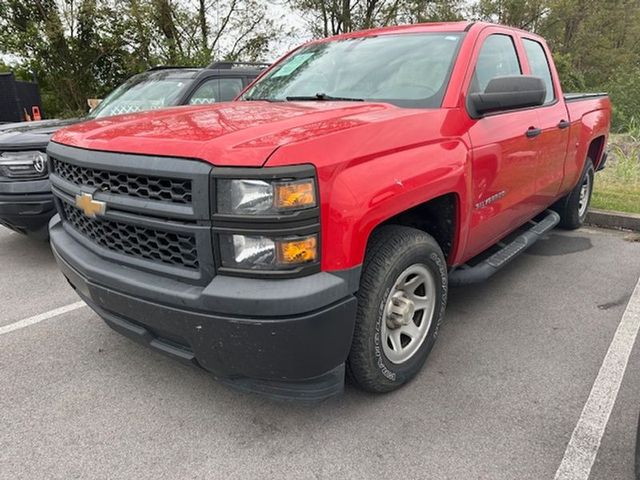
{"points": [[617, 187], [616, 198]]}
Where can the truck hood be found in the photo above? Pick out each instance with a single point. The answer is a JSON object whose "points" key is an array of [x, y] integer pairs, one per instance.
{"points": [[33, 135], [227, 134]]}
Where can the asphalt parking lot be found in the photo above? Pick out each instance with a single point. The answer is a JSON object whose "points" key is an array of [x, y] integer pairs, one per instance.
{"points": [[498, 398]]}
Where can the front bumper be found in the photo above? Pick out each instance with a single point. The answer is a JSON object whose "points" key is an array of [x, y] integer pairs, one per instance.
{"points": [[26, 206], [281, 338]]}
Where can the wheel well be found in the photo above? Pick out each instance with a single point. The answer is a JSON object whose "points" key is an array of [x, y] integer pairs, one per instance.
{"points": [[595, 151], [436, 217]]}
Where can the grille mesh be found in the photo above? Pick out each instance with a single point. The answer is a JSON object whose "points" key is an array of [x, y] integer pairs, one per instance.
{"points": [[141, 186], [142, 242]]}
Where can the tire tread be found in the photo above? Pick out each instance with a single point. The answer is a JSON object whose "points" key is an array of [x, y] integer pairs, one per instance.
{"points": [[384, 248]]}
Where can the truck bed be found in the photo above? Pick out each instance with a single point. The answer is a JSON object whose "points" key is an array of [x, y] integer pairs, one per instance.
{"points": [[574, 97]]}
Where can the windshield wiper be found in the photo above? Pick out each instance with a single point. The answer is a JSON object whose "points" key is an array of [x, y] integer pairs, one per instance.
{"points": [[258, 99], [322, 97]]}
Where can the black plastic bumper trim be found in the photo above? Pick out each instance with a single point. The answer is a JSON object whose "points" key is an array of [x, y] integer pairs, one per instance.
{"points": [[25, 187], [26, 213], [300, 357], [603, 161]]}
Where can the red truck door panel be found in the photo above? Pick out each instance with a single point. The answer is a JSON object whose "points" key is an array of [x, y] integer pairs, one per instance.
{"points": [[553, 121], [505, 159]]}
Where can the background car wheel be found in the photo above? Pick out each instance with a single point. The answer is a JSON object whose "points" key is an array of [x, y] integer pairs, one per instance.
{"points": [[401, 303], [574, 207]]}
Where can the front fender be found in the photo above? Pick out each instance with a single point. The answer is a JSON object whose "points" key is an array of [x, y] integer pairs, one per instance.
{"points": [[364, 194], [385, 163]]}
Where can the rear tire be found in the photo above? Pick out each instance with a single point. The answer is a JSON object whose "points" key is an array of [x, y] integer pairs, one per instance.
{"points": [[401, 303], [574, 207]]}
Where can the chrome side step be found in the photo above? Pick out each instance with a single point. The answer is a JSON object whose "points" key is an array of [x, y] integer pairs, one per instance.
{"points": [[466, 275]]}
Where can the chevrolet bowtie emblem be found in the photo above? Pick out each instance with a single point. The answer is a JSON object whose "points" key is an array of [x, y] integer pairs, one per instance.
{"points": [[91, 208]]}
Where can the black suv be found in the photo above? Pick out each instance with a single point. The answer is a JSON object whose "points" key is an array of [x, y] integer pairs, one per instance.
{"points": [[26, 202]]}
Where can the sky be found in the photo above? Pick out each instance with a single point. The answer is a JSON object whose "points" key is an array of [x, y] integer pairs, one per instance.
{"points": [[292, 20], [9, 59]]}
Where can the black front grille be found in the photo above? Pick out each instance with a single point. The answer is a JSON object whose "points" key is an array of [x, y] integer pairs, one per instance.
{"points": [[142, 186], [170, 248]]}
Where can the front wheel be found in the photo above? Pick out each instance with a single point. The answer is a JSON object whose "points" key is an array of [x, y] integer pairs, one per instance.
{"points": [[401, 303]]}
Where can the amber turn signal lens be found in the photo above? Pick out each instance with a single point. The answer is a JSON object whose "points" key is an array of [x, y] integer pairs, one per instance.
{"points": [[298, 251], [295, 195]]}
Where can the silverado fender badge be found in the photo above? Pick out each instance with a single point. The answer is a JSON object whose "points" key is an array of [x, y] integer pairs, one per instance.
{"points": [[491, 199], [91, 208]]}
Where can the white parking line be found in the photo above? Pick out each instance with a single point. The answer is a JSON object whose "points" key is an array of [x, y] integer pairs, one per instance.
{"points": [[39, 318], [585, 441]]}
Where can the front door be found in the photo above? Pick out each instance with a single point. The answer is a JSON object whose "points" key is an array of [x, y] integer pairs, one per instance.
{"points": [[504, 156]]}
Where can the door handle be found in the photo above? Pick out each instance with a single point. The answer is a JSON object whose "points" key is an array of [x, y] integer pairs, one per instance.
{"points": [[564, 124], [533, 132]]}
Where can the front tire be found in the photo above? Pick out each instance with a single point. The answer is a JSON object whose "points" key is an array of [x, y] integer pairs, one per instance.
{"points": [[574, 207], [401, 303]]}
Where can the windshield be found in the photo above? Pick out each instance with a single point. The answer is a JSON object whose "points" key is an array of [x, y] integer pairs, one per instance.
{"points": [[408, 70], [144, 92]]}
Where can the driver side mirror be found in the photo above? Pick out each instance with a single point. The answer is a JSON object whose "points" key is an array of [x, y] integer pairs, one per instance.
{"points": [[508, 93]]}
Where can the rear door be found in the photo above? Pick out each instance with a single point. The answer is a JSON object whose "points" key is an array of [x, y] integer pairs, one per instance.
{"points": [[504, 156], [553, 122]]}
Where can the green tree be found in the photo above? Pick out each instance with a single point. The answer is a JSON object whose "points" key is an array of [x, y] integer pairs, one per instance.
{"points": [[85, 48], [525, 14], [595, 43], [332, 17]]}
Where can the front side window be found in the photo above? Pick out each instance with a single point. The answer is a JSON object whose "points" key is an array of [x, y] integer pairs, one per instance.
{"points": [[217, 90], [540, 66], [408, 70], [497, 58]]}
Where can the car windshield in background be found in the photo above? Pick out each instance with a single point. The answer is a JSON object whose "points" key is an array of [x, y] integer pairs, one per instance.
{"points": [[408, 70], [144, 92]]}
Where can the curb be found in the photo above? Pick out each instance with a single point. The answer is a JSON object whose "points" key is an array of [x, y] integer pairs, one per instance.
{"points": [[616, 220]]}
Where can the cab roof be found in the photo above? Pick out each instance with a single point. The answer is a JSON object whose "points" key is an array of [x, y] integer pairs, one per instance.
{"points": [[433, 27]]}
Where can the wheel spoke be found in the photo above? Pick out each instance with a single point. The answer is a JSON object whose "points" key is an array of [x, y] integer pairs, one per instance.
{"points": [[394, 336], [411, 330], [420, 303], [411, 285]]}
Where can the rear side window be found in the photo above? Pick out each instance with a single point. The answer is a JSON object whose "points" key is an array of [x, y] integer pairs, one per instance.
{"points": [[217, 90], [539, 65], [497, 58]]}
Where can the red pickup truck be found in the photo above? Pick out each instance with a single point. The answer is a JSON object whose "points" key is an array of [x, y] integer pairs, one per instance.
{"points": [[313, 226]]}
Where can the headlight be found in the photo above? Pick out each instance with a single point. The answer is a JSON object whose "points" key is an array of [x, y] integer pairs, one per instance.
{"points": [[264, 197], [31, 164], [268, 253]]}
